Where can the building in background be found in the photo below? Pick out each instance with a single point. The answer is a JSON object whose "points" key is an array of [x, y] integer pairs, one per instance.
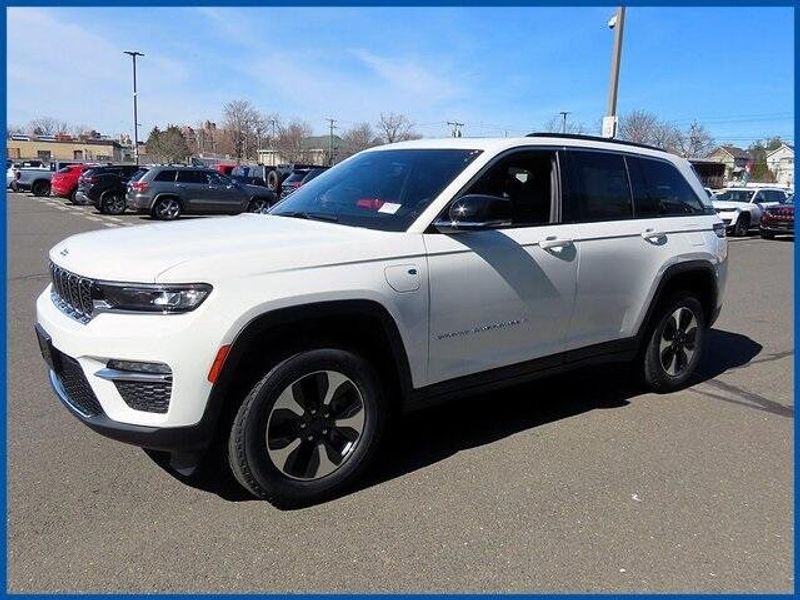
{"points": [[314, 150], [735, 160], [53, 148], [781, 162]]}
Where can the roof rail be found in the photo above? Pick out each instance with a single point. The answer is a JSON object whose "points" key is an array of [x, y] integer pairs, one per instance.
{"points": [[593, 138]]}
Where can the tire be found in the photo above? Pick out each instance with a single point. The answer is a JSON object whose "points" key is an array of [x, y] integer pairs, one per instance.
{"points": [[304, 470], [274, 180], [742, 227], [40, 188], [767, 236], [257, 205], [112, 203], [166, 209], [669, 362]]}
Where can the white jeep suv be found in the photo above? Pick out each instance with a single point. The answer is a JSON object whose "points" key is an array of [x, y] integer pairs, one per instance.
{"points": [[406, 274], [740, 208]]}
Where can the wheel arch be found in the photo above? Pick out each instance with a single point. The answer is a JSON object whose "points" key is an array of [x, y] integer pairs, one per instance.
{"points": [[361, 325], [698, 276]]}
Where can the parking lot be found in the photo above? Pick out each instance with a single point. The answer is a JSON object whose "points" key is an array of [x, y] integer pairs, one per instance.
{"points": [[575, 483]]}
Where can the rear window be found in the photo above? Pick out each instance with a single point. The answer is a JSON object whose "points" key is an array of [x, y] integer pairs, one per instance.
{"points": [[167, 175], [735, 195], [138, 174], [660, 190]]}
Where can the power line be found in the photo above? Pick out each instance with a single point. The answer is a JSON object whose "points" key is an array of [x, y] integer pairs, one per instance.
{"points": [[332, 125]]}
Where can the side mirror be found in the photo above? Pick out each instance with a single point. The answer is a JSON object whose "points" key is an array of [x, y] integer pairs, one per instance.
{"points": [[475, 212]]}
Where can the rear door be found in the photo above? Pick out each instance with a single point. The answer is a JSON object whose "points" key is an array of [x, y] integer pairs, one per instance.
{"points": [[224, 196]]}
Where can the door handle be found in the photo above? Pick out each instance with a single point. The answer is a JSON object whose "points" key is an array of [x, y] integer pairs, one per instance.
{"points": [[552, 242], [653, 234], [180, 185]]}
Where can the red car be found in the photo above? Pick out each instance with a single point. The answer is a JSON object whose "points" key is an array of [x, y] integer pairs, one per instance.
{"points": [[64, 182], [778, 220]]}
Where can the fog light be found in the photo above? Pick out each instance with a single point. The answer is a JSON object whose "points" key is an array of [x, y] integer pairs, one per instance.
{"points": [[139, 367]]}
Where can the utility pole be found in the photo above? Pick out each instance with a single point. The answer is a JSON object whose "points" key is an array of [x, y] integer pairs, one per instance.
{"points": [[455, 128], [617, 23], [564, 114], [133, 54], [332, 125]]}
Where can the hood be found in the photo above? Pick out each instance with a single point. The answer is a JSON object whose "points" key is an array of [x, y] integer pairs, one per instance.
{"points": [[781, 211], [217, 247], [724, 205]]}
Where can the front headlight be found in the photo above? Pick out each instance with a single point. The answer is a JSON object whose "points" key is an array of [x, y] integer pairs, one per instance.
{"points": [[156, 298]]}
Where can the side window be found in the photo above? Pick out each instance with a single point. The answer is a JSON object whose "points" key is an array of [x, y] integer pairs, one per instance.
{"points": [[598, 188], [527, 180], [191, 176], [166, 175], [660, 190], [215, 179]]}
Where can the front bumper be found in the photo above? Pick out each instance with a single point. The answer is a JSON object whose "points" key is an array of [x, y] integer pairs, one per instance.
{"points": [[777, 227], [178, 341]]}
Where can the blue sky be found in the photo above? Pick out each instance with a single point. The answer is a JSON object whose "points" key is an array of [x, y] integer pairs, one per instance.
{"points": [[496, 69]]}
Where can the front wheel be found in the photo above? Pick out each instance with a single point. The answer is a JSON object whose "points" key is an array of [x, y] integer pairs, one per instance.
{"points": [[675, 343], [308, 428], [742, 227]]}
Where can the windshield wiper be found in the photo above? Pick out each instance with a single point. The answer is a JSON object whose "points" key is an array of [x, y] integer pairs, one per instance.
{"points": [[298, 214]]}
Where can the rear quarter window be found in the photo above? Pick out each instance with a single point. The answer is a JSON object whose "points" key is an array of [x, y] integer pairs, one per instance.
{"points": [[598, 187]]}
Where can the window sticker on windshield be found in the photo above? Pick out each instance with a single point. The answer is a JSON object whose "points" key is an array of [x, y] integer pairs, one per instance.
{"points": [[390, 208]]}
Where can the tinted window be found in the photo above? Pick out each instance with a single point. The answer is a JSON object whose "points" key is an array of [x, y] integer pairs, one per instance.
{"points": [[216, 179], [295, 176], [775, 196], [735, 196], [660, 190], [168, 175], [524, 178], [138, 174], [598, 188], [189, 176], [386, 189]]}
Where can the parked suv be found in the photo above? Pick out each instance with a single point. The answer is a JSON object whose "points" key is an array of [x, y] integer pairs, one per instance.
{"points": [[168, 192], [409, 273], [740, 208], [106, 187]]}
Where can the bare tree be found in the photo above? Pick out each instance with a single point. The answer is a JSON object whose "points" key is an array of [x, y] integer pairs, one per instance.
{"points": [[290, 140], [241, 121], [359, 137], [697, 142], [14, 130], [555, 124], [47, 126], [395, 127], [638, 126]]}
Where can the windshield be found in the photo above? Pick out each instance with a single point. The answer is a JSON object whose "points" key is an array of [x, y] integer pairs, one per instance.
{"points": [[386, 189], [735, 196]]}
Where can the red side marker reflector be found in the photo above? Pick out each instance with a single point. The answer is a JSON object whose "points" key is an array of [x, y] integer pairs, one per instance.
{"points": [[219, 361]]}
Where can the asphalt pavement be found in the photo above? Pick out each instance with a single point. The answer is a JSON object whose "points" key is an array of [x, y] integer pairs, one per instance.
{"points": [[576, 483]]}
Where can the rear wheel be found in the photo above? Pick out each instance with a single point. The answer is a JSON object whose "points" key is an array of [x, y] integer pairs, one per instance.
{"points": [[40, 188], [112, 203], [166, 209], [675, 343], [767, 236], [742, 227], [274, 181], [308, 428]]}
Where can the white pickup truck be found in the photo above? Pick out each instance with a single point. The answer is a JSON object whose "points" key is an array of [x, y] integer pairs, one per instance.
{"points": [[740, 208]]}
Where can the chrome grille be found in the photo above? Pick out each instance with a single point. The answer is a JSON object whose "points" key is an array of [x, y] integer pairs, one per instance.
{"points": [[72, 293]]}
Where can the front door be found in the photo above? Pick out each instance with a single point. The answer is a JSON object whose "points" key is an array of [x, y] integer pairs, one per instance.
{"points": [[503, 296]]}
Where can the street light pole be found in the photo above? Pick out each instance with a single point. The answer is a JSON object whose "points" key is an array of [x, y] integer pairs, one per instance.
{"points": [[133, 55], [564, 114], [617, 23]]}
